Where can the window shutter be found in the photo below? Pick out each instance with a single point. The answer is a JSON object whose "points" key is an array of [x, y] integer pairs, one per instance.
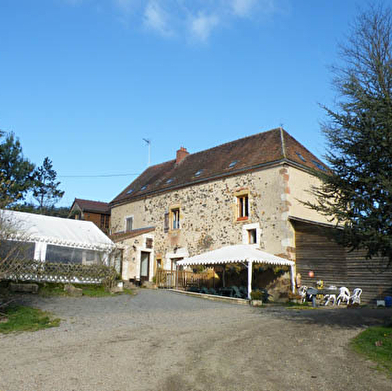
{"points": [[166, 222], [149, 243]]}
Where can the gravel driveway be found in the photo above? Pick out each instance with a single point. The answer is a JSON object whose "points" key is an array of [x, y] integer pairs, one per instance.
{"points": [[160, 340]]}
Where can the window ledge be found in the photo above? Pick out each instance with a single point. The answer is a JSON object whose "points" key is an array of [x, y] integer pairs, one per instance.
{"points": [[242, 218]]}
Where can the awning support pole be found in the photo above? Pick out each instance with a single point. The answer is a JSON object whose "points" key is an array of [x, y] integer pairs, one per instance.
{"points": [[176, 276], [250, 269], [292, 279]]}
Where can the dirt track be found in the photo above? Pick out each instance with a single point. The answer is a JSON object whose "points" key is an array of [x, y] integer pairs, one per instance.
{"points": [[164, 341]]}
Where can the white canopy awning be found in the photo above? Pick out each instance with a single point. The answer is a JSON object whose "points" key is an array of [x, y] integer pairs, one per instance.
{"points": [[239, 253], [234, 254]]}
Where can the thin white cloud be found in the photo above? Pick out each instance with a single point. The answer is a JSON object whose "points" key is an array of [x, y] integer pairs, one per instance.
{"points": [[243, 8], [157, 19], [201, 26], [195, 19]]}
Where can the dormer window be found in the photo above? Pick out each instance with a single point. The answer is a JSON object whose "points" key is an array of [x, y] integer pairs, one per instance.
{"points": [[130, 191], [318, 165], [198, 173], [170, 180], [300, 156], [233, 163], [144, 187]]}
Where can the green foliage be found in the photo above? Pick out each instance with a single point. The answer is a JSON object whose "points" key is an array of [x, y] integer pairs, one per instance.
{"points": [[16, 172], [357, 192], [256, 295], [376, 344], [260, 294], [22, 318], [52, 211], [94, 290], [45, 190]]}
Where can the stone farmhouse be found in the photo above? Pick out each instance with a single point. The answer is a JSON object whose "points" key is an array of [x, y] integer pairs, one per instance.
{"points": [[245, 191]]}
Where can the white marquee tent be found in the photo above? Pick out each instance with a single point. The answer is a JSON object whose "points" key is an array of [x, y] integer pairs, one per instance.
{"points": [[57, 239], [240, 253]]}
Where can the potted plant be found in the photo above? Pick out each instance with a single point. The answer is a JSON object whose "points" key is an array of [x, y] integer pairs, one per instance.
{"points": [[256, 298]]}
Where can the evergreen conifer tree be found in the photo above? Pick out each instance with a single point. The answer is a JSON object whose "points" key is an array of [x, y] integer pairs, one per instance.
{"points": [[357, 192]]}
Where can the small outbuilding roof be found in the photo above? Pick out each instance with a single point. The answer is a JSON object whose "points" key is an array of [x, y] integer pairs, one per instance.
{"points": [[55, 230], [234, 254], [92, 206]]}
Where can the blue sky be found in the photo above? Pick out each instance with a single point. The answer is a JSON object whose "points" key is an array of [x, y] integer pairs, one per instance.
{"points": [[84, 81]]}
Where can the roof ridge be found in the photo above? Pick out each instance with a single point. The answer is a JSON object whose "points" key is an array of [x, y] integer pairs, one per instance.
{"points": [[282, 142], [235, 141], [218, 146], [83, 199], [286, 133]]}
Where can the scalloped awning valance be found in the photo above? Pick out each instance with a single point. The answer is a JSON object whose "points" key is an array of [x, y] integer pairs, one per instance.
{"points": [[238, 253]]}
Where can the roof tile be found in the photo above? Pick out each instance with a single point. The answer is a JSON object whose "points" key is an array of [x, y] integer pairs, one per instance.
{"points": [[249, 152]]}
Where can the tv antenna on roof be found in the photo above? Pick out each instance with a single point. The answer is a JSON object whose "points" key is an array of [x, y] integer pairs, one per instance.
{"points": [[148, 143]]}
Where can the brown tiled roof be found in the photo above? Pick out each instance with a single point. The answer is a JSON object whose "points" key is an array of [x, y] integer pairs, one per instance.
{"points": [[116, 237], [251, 152], [93, 206]]}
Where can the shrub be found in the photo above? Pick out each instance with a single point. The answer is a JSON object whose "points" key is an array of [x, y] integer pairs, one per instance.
{"points": [[256, 295]]}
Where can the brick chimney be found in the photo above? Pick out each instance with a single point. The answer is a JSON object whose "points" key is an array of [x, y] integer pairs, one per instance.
{"points": [[181, 155]]}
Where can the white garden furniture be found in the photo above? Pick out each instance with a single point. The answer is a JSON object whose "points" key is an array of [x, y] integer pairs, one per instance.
{"points": [[302, 292], [331, 297], [355, 298], [344, 295]]}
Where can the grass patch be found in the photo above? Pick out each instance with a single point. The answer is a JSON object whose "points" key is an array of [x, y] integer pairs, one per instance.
{"points": [[301, 306], [22, 318], [376, 344], [90, 290]]}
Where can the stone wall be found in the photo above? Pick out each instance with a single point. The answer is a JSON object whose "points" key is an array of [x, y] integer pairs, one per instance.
{"points": [[132, 249], [208, 213]]}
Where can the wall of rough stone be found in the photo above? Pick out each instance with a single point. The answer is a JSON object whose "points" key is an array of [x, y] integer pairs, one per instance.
{"points": [[208, 213], [132, 249]]}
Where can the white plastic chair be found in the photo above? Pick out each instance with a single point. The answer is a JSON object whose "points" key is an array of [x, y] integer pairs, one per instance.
{"points": [[330, 297], [302, 292], [355, 298], [344, 295]]}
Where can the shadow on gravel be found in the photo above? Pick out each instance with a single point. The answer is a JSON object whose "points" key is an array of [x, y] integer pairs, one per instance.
{"points": [[346, 318]]}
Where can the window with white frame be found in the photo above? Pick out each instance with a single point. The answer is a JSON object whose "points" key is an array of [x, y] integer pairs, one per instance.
{"points": [[252, 237], [251, 234]]}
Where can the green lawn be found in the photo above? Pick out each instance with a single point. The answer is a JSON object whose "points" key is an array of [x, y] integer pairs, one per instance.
{"points": [[376, 344], [20, 318]]}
